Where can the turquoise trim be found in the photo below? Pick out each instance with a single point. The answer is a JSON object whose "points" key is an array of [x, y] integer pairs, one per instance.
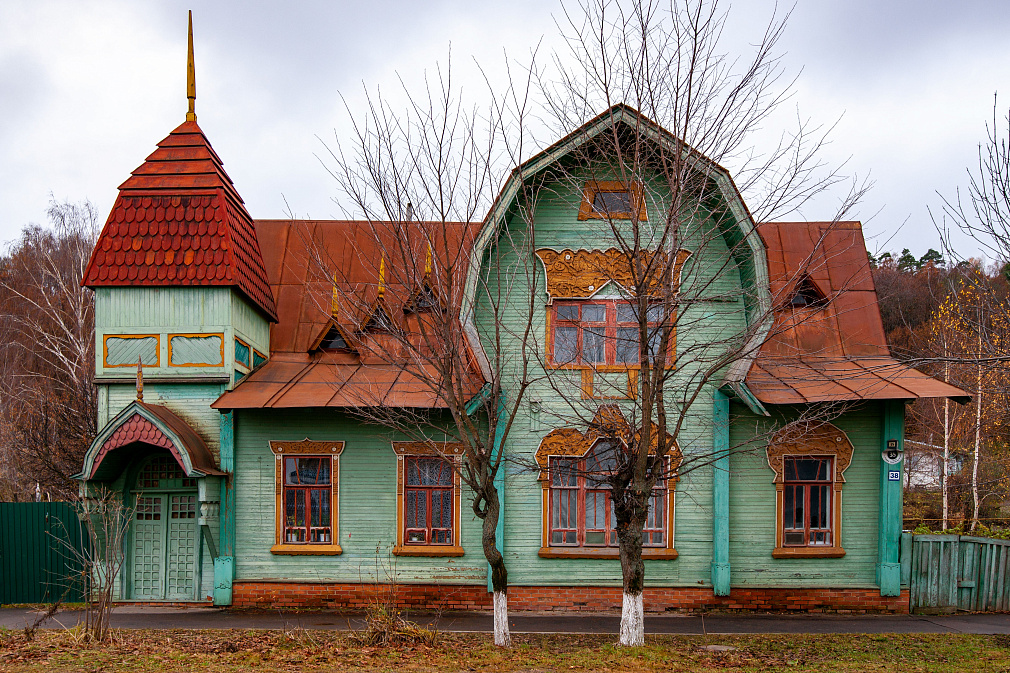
{"points": [[720, 495], [889, 528], [474, 403], [224, 563], [499, 483]]}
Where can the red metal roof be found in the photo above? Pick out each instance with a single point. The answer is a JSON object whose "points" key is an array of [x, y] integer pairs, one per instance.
{"points": [[836, 351], [178, 220], [302, 258]]}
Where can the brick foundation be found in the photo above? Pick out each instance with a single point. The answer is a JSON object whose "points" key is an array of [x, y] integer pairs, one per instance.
{"points": [[566, 599]]}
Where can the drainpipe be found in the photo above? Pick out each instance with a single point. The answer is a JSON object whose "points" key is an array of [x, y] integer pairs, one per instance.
{"points": [[224, 563], [889, 526], [720, 495]]}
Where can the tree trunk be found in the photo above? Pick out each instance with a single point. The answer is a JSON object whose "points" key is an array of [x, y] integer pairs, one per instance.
{"points": [[945, 473], [629, 538], [499, 574]]}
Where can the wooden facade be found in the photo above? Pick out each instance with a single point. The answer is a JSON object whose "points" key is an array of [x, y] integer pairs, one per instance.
{"points": [[723, 544]]}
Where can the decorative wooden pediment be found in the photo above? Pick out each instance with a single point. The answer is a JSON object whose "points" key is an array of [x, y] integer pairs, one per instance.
{"points": [[428, 449], [809, 438], [608, 423], [306, 447], [579, 274]]}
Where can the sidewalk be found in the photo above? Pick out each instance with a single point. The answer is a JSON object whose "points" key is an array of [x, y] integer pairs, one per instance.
{"points": [[216, 618]]}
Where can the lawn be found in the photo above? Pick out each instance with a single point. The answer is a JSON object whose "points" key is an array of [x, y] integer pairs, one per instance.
{"points": [[226, 651]]}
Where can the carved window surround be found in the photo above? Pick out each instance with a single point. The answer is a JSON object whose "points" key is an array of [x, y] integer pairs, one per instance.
{"points": [[452, 451], [306, 447], [594, 187], [813, 439], [608, 423]]}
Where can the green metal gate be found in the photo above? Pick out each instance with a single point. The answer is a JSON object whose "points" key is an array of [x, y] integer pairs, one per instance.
{"points": [[959, 572], [36, 561]]}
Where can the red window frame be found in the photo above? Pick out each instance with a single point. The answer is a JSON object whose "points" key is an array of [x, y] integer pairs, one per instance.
{"points": [[420, 529], [308, 504], [587, 332], [581, 513], [808, 502]]}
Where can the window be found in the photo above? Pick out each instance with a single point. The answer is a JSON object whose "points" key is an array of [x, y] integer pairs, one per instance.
{"points": [[807, 501], [196, 350], [125, 350], [242, 352], [163, 472], [428, 499], [307, 476], [612, 199], [581, 513], [807, 295], [258, 358], [308, 492], [809, 460], [604, 332]]}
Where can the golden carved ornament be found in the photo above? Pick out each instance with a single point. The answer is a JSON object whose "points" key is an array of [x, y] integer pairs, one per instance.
{"points": [[578, 274], [809, 439], [307, 447], [607, 423], [428, 449]]}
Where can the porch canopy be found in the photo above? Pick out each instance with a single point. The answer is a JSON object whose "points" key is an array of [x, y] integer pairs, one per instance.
{"points": [[151, 425]]}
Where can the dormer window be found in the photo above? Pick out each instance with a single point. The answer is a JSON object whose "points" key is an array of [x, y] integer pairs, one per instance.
{"points": [[807, 295], [423, 299], [333, 340], [379, 321], [612, 199]]}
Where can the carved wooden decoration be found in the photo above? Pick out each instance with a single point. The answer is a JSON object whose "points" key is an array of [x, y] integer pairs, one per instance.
{"points": [[813, 438], [451, 451], [810, 439], [306, 447], [608, 423], [426, 449], [579, 274]]}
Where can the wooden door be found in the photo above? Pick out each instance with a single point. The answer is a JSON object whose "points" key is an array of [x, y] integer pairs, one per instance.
{"points": [[149, 548]]}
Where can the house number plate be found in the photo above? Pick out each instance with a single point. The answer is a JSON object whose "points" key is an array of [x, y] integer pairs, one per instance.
{"points": [[894, 475]]}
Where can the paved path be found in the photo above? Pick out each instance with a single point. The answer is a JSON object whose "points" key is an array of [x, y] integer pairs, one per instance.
{"points": [[214, 618]]}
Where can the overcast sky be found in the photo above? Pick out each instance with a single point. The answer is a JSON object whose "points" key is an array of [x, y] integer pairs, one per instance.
{"points": [[87, 88]]}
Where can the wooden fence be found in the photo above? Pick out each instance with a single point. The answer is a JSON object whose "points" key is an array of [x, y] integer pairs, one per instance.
{"points": [[948, 573], [37, 564]]}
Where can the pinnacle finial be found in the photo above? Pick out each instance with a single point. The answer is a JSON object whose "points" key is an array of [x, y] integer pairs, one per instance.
{"points": [[335, 300], [191, 75], [382, 276], [427, 260]]}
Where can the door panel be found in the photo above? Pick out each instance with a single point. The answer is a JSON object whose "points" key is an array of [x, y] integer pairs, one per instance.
{"points": [[182, 548], [148, 548]]}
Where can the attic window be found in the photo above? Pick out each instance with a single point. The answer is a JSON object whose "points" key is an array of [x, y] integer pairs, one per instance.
{"points": [[333, 340], [424, 299], [379, 320], [612, 199], [807, 294]]}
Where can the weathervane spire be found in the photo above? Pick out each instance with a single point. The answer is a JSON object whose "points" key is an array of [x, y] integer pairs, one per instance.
{"points": [[191, 75]]}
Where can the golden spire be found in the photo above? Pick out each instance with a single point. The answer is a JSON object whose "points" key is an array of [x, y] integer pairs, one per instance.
{"points": [[191, 75], [427, 260], [335, 301], [382, 276], [140, 380]]}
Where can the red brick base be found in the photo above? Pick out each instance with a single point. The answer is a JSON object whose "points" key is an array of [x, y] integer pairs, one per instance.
{"points": [[568, 599]]}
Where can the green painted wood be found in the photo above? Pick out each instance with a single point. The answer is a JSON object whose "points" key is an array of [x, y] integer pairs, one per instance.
{"points": [[224, 563], [148, 549], [39, 547], [959, 572], [720, 495], [182, 551], [889, 527]]}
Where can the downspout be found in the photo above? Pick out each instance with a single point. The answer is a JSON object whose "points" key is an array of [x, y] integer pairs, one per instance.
{"points": [[720, 495], [224, 563]]}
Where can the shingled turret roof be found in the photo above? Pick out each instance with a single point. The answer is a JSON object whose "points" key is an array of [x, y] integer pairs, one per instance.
{"points": [[178, 221]]}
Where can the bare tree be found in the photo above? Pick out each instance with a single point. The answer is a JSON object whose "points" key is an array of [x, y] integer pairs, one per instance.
{"points": [[48, 405], [418, 179], [691, 109]]}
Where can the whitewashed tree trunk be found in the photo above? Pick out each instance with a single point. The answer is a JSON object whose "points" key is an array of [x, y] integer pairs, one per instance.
{"points": [[502, 637], [976, 452], [632, 620], [945, 470]]}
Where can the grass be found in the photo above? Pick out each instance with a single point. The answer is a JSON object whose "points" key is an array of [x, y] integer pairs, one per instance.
{"points": [[300, 650]]}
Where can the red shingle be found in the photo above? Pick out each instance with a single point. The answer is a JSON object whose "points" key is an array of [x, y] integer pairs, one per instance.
{"points": [[181, 205]]}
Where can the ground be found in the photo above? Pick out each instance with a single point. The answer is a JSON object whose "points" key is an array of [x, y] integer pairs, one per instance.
{"points": [[219, 651]]}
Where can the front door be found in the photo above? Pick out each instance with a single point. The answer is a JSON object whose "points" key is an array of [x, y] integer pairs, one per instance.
{"points": [[165, 545]]}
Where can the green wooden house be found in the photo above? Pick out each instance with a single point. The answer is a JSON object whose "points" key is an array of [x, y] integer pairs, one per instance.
{"points": [[257, 481]]}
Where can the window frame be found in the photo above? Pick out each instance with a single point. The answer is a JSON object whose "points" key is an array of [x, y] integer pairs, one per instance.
{"points": [[451, 452], [306, 449], [197, 335], [105, 349], [807, 485], [591, 188], [809, 440], [608, 550], [610, 324]]}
